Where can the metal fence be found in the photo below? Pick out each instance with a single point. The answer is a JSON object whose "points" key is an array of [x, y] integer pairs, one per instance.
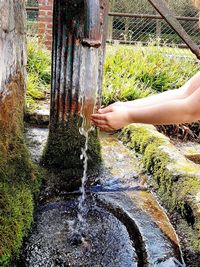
{"points": [[133, 21]]}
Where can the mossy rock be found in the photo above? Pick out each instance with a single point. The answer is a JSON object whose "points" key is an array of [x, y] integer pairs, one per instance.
{"points": [[15, 218], [176, 179], [19, 184], [65, 144]]}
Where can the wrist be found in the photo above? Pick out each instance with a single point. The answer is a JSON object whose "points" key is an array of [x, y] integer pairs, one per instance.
{"points": [[129, 116]]}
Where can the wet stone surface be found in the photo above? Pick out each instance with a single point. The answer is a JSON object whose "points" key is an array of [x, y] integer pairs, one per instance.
{"points": [[36, 139], [54, 242]]}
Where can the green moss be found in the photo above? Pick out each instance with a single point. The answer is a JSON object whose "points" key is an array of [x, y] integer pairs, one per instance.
{"points": [[20, 182], [64, 146], [138, 138], [19, 177], [15, 217]]}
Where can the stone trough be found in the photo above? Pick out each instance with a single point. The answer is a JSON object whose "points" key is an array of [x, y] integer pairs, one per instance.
{"points": [[125, 225]]}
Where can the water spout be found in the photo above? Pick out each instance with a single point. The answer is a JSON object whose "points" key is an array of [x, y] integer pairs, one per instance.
{"points": [[78, 53]]}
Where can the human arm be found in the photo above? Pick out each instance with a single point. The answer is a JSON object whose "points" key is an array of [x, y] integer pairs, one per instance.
{"points": [[171, 112], [187, 89]]}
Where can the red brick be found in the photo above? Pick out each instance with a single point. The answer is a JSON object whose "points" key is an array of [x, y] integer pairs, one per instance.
{"points": [[49, 31], [50, 13], [41, 31], [49, 25], [45, 2], [47, 19], [41, 25], [48, 44], [45, 8], [42, 13]]}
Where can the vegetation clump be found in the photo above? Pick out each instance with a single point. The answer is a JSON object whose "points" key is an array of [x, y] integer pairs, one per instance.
{"points": [[19, 183], [64, 147], [39, 74], [130, 72]]}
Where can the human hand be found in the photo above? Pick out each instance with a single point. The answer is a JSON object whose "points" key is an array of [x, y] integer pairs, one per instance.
{"points": [[112, 118]]}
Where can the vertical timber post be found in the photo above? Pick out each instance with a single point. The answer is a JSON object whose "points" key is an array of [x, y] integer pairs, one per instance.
{"points": [[79, 35]]}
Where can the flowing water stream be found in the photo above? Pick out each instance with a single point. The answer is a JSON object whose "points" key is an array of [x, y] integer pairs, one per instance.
{"points": [[88, 100]]}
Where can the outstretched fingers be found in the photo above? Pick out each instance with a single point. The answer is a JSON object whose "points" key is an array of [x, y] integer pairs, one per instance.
{"points": [[99, 116], [99, 119], [98, 123], [105, 110]]}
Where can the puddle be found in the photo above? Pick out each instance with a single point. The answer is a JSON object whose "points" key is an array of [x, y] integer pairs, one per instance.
{"points": [[105, 243]]}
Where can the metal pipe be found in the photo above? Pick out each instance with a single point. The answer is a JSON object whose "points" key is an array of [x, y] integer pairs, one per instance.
{"points": [[92, 31]]}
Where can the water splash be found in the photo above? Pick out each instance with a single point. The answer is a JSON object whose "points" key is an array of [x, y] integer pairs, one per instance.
{"points": [[82, 208]]}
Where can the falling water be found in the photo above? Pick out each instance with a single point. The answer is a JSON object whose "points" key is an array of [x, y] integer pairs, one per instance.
{"points": [[88, 98]]}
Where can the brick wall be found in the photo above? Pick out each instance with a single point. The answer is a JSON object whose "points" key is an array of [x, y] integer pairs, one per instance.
{"points": [[45, 21]]}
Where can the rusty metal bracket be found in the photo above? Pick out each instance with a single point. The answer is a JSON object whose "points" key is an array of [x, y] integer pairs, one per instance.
{"points": [[169, 17]]}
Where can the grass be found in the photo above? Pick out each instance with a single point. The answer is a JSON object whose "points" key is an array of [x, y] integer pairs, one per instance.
{"points": [[39, 73], [133, 72]]}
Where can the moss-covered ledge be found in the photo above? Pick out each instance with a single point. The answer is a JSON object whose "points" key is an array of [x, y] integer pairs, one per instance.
{"points": [[20, 181], [175, 178]]}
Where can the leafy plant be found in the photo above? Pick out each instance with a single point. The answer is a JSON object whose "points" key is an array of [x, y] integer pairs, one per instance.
{"points": [[39, 73], [39, 61]]}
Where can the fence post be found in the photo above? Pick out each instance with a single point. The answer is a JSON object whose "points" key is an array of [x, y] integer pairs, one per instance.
{"points": [[45, 22]]}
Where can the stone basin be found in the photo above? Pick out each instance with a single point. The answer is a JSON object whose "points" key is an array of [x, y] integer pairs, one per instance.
{"points": [[54, 242], [126, 226]]}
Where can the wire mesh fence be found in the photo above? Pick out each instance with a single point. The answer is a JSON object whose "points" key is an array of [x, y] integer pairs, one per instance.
{"points": [[133, 21]]}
